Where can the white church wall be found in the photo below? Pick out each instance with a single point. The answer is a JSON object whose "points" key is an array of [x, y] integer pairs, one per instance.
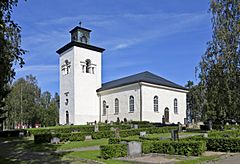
{"points": [[166, 98], [66, 87], [85, 86], [122, 94]]}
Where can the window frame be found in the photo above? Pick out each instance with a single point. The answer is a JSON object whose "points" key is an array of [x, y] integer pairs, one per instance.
{"points": [[175, 106], [104, 108], [155, 103], [131, 104], [116, 103]]}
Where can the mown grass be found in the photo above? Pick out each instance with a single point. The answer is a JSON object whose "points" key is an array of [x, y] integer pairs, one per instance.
{"points": [[91, 155], [79, 144]]}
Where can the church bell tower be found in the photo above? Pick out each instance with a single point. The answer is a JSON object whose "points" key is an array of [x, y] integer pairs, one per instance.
{"points": [[80, 77]]}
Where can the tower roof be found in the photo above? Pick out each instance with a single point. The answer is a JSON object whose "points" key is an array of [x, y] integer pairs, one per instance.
{"points": [[79, 28], [140, 77]]}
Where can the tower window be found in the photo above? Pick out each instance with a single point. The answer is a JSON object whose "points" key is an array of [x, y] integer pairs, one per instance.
{"points": [[104, 108], [116, 106], [131, 104], [155, 103], [66, 67], [175, 104], [88, 66], [84, 39]]}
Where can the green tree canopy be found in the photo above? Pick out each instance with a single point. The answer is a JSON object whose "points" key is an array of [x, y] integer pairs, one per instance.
{"points": [[10, 49], [219, 69]]}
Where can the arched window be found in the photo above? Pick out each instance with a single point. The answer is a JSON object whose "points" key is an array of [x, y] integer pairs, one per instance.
{"points": [[155, 103], [175, 104], [88, 66], [67, 118], [116, 106], [84, 39], [131, 104], [104, 108]]}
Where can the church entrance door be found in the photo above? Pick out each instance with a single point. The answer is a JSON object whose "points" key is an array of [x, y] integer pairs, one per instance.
{"points": [[67, 118], [166, 114]]}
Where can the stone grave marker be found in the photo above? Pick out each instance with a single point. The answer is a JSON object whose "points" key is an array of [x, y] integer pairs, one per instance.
{"points": [[179, 127], [135, 126], [21, 134], [112, 129], [88, 138], [142, 134], [55, 140], [134, 148], [163, 119], [96, 128], [210, 124], [117, 135], [205, 135], [174, 135]]}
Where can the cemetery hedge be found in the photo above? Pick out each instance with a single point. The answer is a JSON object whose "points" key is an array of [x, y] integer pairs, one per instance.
{"points": [[222, 144], [187, 148], [80, 136], [13, 133], [113, 151]]}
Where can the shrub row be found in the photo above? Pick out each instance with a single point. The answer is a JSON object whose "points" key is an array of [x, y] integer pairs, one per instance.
{"points": [[80, 136], [13, 133], [119, 140], [82, 128], [225, 133], [113, 151], [175, 147], [218, 144]]}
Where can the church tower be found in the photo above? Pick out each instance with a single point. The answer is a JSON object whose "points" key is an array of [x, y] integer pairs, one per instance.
{"points": [[80, 65]]}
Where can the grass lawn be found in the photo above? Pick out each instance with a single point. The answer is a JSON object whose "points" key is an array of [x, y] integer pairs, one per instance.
{"points": [[92, 155], [79, 144]]}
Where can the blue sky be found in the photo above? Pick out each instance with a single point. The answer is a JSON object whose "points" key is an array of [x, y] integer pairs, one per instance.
{"points": [[165, 37]]}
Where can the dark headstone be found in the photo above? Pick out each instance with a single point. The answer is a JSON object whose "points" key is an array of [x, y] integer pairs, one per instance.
{"points": [[179, 127], [174, 135], [163, 119], [210, 125]]}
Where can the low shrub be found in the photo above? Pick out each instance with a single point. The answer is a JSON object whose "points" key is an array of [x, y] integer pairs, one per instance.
{"points": [[42, 138], [13, 133], [174, 147], [80, 136], [113, 151], [219, 143]]}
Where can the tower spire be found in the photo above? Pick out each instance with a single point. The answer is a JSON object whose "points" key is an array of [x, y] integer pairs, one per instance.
{"points": [[80, 23]]}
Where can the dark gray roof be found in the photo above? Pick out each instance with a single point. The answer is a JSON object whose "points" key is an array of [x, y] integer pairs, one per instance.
{"points": [[140, 77]]}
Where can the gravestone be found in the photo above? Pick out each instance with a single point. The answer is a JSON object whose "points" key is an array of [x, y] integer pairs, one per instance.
{"points": [[179, 127], [185, 121], [96, 128], [111, 122], [134, 148], [142, 134], [174, 135], [132, 126], [55, 140], [117, 135], [135, 126], [163, 119], [205, 135], [210, 124], [21, 134], [88, 138]]}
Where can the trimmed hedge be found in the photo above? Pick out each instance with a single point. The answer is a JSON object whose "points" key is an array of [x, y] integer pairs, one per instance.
{"points": [[13, 133], [225, 133], [119, 140], [187, 148], [113, 151], [77, 128], [80, 136], [219, 144]]}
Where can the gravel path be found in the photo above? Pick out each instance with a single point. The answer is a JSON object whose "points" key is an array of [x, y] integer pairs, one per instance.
{"points": [[229, 159]]}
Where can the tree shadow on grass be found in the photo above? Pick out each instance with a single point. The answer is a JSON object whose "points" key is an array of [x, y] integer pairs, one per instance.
{"points": [[22, 150]]}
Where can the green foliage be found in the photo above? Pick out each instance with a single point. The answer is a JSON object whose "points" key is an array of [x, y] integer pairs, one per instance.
{"points": [[12, 133], [10, 50], [80, 136], [174, 147], [219, 69], [113, 151], [118, 140]]}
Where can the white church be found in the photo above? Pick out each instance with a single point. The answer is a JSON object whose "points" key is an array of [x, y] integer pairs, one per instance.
{"points": [[84, 99]]}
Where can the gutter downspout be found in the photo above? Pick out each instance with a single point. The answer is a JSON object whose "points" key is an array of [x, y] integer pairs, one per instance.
{"points": [[140, 86]]}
